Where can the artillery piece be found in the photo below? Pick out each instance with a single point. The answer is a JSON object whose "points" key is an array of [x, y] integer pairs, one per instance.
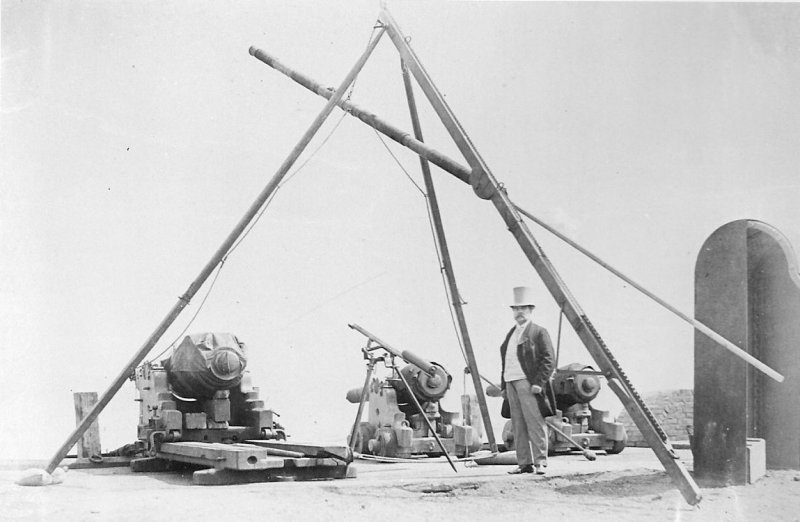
{"points": [[202, 393], [199, 407], [405, 416], [575, 386]]}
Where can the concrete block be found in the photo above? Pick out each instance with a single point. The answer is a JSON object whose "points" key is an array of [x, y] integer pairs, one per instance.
{"points": [[756, 459]]}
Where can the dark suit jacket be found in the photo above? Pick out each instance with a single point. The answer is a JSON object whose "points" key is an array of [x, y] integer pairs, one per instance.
{"points": [[535, 355]]}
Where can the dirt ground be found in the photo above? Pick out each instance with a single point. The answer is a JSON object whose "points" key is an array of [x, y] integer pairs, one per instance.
{"points": [[628, 486]]}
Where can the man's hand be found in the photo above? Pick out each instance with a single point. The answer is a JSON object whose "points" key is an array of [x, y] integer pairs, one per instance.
{"points": [[536, 389], [503, 394]]}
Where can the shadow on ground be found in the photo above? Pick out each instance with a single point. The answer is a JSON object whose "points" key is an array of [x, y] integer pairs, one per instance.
{"points": [[628, 485]]}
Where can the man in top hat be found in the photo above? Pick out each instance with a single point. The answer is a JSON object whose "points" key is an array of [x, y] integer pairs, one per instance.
{"points": [[527, 363]]}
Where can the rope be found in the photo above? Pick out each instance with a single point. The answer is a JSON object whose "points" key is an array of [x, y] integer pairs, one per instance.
{"points": [[447, 294], [280, 185], [558, 340], [400, 164], [200, 307], [302, 165], [446, 287]]}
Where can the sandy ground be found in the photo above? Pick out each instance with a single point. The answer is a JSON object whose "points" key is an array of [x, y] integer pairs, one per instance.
{"points": [[629, 486]]}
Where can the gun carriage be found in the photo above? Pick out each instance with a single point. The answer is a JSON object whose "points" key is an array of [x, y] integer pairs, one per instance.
{"points": [[405, 415], [199, 407], [576, 421]]}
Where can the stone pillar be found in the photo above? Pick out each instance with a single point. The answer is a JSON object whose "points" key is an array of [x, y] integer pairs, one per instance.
{"points": [[747, 288], [775, 339]]}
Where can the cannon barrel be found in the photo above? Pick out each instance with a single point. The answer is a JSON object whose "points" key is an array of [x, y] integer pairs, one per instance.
{"points": [[206, 363], [407, 356], [574, 384], [424, 386], [427, 380]]}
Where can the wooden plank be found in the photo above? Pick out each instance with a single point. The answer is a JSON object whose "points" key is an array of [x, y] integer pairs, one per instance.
{"points": [[309, 450], [311, 463], [663, 449], [103, 462], [224, 477], [89, 443], [150, 465], [275, 452], [230, 456]]}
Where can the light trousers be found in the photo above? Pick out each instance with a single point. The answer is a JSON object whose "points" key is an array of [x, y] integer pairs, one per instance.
{"points": [[530, 428]]}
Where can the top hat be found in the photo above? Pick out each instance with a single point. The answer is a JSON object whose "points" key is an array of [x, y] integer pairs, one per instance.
{"points": [[523, 296]]}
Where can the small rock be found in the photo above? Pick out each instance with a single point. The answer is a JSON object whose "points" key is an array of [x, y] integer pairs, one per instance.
{"points": [[58, 475], [35, 477]]}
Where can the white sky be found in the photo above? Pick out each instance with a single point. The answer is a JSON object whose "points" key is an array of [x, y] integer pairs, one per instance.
{"points": [[135, 135]]}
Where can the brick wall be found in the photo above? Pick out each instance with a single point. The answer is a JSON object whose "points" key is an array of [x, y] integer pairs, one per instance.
{"points": [[674, 410]]}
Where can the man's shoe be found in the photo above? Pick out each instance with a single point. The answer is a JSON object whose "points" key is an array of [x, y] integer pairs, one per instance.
{"points": [[540, 469], [521, 469]]}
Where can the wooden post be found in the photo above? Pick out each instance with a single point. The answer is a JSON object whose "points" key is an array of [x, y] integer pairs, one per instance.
{"points": [[447, 267], [89, 443]]}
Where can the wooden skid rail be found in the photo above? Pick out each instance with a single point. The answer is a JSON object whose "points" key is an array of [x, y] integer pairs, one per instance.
{"points": [[246, 463], [325, 470]]}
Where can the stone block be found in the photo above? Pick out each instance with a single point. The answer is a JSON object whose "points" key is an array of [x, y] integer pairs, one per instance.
{"points": [[195, 421], [167, 405], [170, 420], [404, 436], [462, 435], [218, 410], [262, 418]]}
